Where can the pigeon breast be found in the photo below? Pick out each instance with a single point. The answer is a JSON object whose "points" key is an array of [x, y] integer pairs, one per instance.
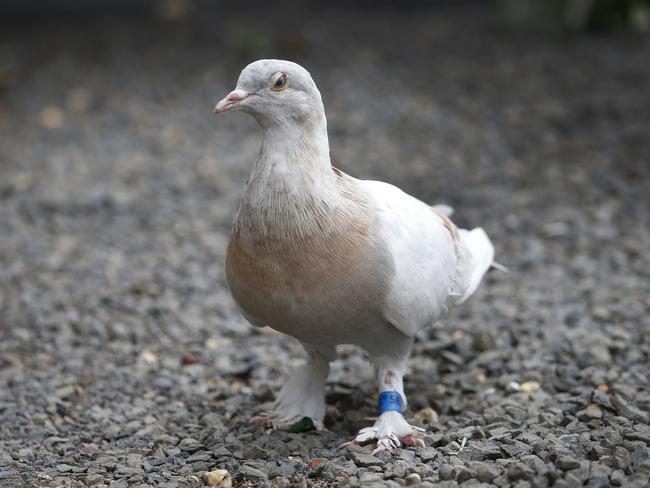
{"points": [[323, 278]]}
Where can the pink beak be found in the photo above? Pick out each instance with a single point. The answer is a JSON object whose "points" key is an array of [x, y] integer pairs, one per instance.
{"points": [[232, 100]]}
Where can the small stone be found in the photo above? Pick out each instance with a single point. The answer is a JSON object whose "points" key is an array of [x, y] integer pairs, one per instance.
{"points": [[94, 479], [407, 455], [482, 450], [446, 472], [166, 439], [618, 478], [519, 471], [163, 382], [396, 470], [625, 409], [428, 415], [487, 472], [200, 456], [255, 452], [149, 357], [598, 481], [129, 471], [590, 412], [529, 387], [190, 445], [384, 456], [463, 473], [189, 358], [641, 433], [412, 479], [365, 460], [427, 454], [514, 448], [218, 477], [567, 462], [622, 458], [51, 117], [283, 469], [513, 387], [25, 453], [314, 463], [252, 474], [221, 452], [368, 477], [601, 398]]}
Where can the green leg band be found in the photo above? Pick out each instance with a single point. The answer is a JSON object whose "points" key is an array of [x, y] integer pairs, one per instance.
{"points": [[303, 425]]}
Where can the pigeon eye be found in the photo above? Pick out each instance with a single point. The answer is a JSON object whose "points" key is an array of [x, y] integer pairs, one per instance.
{"points": [[278, 82]]}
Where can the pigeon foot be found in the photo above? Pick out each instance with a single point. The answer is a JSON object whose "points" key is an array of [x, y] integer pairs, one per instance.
{"points": [[390, 430], [294, 423]]}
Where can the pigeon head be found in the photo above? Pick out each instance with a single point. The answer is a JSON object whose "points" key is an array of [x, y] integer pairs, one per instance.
{"points": [[275, 92]]}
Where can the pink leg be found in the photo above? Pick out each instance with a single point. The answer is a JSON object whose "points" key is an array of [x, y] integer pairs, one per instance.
{"points": [[332, 412]]}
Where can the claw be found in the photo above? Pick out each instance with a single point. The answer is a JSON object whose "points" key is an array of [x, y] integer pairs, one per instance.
{"points": [[365, 436], [269, 421], [387, 444], [261, 420], [353, 442], [389, 431]]}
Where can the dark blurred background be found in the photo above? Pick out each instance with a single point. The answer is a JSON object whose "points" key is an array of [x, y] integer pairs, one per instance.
{"points": [[118, 186]]}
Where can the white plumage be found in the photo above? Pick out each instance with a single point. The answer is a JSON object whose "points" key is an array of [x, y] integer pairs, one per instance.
{"points": [[329, 259]]}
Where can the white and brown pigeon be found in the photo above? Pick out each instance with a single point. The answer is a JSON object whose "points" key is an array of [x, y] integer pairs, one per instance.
{"points": [[330, 259]]}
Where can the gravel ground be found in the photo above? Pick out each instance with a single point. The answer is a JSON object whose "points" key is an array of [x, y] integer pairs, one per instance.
{"points": [[123, 360]]}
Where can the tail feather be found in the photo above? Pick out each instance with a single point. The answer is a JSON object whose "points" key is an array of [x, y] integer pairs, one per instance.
{"points": [[481, 253]]}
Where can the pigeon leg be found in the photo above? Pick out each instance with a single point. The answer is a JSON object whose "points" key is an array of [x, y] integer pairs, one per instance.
{"points": [[391, 428], [303, 395], [332, 413]]}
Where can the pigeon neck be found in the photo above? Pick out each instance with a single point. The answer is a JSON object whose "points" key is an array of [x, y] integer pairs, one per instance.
{"points": [[294, 158], [297, 147], [292, 181]]}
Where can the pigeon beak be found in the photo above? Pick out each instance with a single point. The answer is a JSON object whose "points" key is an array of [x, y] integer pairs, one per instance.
{"points": [[233, 99]]}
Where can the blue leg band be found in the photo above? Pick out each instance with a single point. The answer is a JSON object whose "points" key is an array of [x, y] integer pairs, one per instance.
{"points": [[390, 401]]}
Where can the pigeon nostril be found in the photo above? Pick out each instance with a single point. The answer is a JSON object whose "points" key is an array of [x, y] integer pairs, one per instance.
{"points": [[236, 95]]}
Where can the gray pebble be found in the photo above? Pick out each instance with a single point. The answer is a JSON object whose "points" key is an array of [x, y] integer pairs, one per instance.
{"points": [[368, 477], [190, 445], [94, 479], [487, 472], [567, 462], [412, 479], [519, 471], [251, 473], [590, 412], [628, 410], [618, 478], [365, 460]]}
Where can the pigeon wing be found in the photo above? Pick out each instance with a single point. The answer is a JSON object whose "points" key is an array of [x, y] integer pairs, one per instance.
{"points": [[427, 256]]}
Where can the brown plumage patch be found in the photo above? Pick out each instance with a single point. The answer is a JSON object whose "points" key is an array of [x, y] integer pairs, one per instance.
{"points": [[282, 280]]}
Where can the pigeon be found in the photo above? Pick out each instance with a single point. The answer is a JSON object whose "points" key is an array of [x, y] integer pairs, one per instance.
{"points": [[330, 259]]}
